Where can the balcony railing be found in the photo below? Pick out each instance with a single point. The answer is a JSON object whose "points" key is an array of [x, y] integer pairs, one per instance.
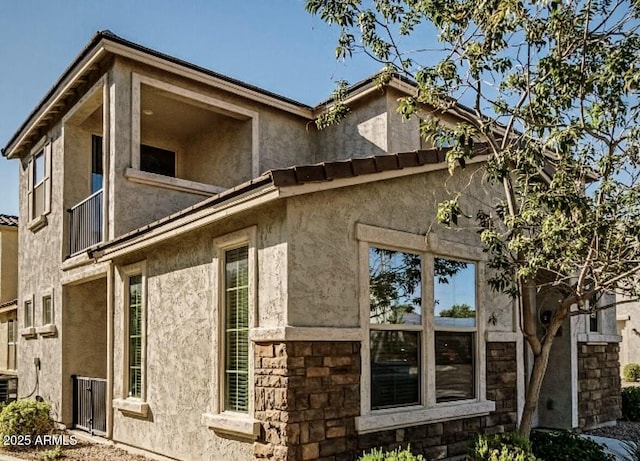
{"points": [[85, 223]]}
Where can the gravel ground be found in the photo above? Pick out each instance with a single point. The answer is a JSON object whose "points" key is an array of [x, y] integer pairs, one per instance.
{"points": [[624, 430], [82, 451]]}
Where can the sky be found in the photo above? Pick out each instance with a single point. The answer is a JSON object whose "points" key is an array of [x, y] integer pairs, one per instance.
{"points": [[273, 44]]}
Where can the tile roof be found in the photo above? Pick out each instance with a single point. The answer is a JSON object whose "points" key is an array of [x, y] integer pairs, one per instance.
{"points": [[8, 220], [329, 171]]}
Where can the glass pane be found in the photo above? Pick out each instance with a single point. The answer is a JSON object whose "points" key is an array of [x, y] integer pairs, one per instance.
{"points": [[454, 285], [38, 200], [455, 366], [135, 336], [47, 317], [28, 319], [395, 292], [237, 329], [156, 160], [395, 368], [38, 168]]}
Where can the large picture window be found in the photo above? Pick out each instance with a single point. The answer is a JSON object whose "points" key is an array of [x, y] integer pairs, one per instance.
{"points": [[423, 353]]}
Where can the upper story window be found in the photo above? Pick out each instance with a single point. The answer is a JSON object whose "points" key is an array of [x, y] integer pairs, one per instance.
{"points": [[97, 170], [39, 181], [156, 160]]}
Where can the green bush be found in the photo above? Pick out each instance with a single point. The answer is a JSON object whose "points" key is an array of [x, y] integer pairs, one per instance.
{"points": [[631, 373], [395, 455], [631, 403], [501, 447], [567, 446], [22, 421]]}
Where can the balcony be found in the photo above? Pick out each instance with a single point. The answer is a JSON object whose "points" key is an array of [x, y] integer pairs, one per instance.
{"points": [[85, 223]]}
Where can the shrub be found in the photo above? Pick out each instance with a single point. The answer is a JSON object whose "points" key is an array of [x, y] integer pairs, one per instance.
{"points": [[631, 372], [501, 447], [22, 421], [631, 403], [395, 455], [567, 446]]}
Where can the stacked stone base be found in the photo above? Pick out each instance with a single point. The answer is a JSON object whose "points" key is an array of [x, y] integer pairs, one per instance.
{"points": [[599, 401], [308, 396]]}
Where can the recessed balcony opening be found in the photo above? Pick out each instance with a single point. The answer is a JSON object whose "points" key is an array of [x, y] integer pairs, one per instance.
{"points": [[84, 172], [190, 137]]}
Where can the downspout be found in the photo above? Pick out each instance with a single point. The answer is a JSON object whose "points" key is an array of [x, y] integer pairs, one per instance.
{"points": [[110, 301]]}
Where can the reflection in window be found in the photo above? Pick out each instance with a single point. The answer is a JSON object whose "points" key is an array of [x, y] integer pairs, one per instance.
{"points": [[454, 285], [455, 373], [394, 287]]}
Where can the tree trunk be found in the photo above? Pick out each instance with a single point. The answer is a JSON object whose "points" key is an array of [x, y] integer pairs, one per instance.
{"points": [[540, 362]]}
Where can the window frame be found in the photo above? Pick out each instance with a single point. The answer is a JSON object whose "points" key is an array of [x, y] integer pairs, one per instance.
{"points": [[42, 148], [428, 247], [31, 311], [51, 319], [12, 340], [128, 404], [217, 417]]}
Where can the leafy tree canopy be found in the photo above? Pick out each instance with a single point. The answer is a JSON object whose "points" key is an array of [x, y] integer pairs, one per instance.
{"points": [[551, 92]]}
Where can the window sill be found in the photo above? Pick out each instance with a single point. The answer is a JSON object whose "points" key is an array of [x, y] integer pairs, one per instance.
{"points": [[598, 338], [47, 330], [168, 182], [234, 424], [134, 407], [413, 417], [37, 223], [29, 332]]}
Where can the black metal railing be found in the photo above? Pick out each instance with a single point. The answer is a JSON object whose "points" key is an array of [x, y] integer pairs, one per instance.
{"points": [[85, 223], [90, 404]]}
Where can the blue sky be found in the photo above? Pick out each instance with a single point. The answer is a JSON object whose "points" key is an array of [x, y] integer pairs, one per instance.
{"points": [[273, 44]]}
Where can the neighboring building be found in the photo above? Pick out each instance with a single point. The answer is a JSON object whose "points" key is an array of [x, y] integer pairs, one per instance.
{"points": [[8, 305], [210, 265], [628, 323]]}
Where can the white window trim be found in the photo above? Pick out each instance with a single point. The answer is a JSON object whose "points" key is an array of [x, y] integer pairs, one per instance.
{"points": [[133, 405], [43, 146], [215, 104], [217, 418], [430, 411]]}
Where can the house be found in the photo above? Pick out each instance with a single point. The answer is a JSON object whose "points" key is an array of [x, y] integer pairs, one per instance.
{"points": [[629, 329], [211, 270], [8, 306]]}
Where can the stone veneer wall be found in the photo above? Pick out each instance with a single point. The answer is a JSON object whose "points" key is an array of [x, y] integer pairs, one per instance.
{"points": [[599, 400], [308, 395]]}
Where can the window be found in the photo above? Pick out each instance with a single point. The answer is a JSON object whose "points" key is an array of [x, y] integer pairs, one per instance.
{"points": [[47, 310], [12, 339], [132, 401], [423, 355], [96, 163], [236, 342], [156, 160], [39, 190], [135, 336], [230, 410], [28, 314]]}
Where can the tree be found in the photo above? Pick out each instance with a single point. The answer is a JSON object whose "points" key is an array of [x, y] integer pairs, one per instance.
{"points": [[458, 311], [551, 87]]}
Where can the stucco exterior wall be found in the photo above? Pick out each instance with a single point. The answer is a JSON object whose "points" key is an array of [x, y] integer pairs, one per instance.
{"points": [[323, 250], [361, 134], [181, 340], [8, 263], [39, 268]]}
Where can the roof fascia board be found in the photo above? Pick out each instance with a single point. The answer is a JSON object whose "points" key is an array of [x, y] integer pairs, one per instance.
{"points": [[158, 62], [189, 223], [307, 188], [94, 56]]}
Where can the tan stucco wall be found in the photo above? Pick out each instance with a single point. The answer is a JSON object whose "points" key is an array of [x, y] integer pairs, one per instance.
{"points": [[181, 320], [8, 263], [323, 251]]}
